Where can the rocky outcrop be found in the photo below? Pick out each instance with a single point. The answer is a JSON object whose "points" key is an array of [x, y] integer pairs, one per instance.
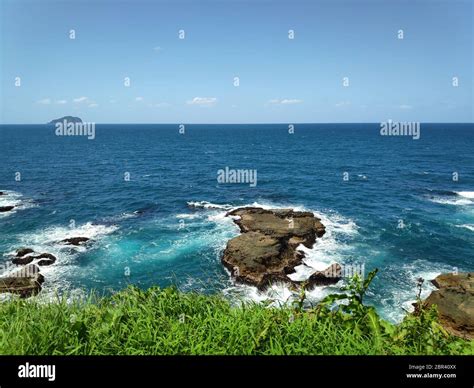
{"points": [[74, 241], [25, 256], [67, 119], [4, 209], [25, 282], [266, 251], [46, 259], [326, 277], [23, 252], [23, 260], [455, 301]]}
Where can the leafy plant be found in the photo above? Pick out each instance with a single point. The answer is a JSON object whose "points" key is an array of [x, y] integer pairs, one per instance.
{"points": [[422, 328]]}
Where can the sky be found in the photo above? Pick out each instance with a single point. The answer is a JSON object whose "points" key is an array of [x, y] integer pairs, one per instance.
{"points": [[345, 63]]}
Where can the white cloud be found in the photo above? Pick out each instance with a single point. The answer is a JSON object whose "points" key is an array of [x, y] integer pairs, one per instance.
{"points": [[157, 48], [61, 102], [162, 105], [113, 101], [44, 101], [343, 103], [81, 99], [404, 106], [291, 101], [138, 98], [285, 101], [86, 100], [202, 101]]}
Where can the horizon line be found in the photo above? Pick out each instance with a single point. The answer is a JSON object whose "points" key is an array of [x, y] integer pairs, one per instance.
{"points": [[260, 123]]}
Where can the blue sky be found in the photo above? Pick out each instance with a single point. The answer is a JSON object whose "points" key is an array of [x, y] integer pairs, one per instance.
{"points": [[191, 80]]}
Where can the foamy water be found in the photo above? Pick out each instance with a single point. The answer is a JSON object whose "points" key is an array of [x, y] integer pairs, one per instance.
{"points": [[466, 194], [13, 198]]}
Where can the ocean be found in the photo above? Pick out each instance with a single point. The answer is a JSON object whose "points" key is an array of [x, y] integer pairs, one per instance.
{"points": [[149, 198]]}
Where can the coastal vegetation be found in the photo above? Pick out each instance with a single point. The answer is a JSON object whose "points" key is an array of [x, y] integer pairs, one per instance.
{"points": [[167, 321]]}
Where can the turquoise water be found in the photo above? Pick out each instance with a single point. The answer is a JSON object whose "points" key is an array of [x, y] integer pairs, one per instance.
{"points": [[145, 231]]}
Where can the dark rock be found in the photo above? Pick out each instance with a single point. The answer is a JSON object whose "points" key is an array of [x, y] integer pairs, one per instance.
{"points": [[24, 251], [6, 208], [46, 259], [280, 223], [75, 240], [2, 193], [24, 256], [330, 275], [23, 260], [25, 282], [256, 258], [455, 301], [266, 251]]}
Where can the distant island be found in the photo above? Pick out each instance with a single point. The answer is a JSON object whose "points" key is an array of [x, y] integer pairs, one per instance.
{"points": [[68, 119]]}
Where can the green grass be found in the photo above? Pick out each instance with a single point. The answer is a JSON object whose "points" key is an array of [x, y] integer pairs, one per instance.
{"points": [[167, 321]]}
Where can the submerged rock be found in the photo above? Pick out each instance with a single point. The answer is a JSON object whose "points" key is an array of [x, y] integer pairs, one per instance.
{"points": [[6, 208], [455, 301], [74, 240], [266, 251], [25, 282]]}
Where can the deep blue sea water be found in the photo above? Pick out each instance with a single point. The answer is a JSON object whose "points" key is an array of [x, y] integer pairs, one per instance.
{"points": [[72, 186]]}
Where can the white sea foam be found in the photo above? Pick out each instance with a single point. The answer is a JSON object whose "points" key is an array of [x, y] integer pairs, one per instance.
{"points": [[57, 233], [120, 217], [402, 294], [466, 194], [276, 295], [48, 241], [458, 198], [328, 249], [467, 226], [451, 201], [207, 205], [13, 198], [188, 216]]}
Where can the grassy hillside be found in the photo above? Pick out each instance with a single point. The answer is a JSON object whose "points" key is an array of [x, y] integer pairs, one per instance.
{"points": [[166, 321]]}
